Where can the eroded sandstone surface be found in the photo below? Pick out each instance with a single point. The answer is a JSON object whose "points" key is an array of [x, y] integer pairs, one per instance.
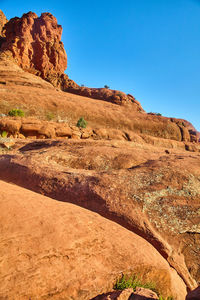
{"points": [[40, 99], [56, 250], [141, 187]]}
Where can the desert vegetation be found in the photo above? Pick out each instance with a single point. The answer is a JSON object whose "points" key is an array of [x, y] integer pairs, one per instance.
{"points": [[81, 123], [16, 112], [133, 281]]}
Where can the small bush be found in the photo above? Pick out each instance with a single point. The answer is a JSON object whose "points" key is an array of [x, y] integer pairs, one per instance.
{"points": [[106, 86], [81, 123], [16, 113], [50, 116], [132, 282], [4, 134], [155, 113]]}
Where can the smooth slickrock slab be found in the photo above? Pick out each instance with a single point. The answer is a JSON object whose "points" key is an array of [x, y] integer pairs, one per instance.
{"points": [[56, 250]]}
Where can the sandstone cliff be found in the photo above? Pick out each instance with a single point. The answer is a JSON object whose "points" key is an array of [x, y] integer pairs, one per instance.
{"points": [[35, 44]]}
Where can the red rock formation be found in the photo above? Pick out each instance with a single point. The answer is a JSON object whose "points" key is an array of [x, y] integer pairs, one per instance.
{"points": [[35, 43], [38, 97], [3, 21], [106, 94]]}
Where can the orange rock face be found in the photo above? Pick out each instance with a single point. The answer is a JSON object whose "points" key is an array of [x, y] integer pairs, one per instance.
{"points": [[154, 194], [3, 21], [54, 250], [37, 98], [105, 94], [35, 43]]}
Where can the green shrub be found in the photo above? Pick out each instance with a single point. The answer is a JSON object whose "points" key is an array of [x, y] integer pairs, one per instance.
{"points": [[4, 134], [16, 113], [106, 86], [50, 116], [132, 282], [155, 113], [81, 123]]}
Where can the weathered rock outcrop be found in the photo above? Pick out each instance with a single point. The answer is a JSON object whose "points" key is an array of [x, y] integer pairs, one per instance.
{"points": [[148, 191], [106, 94], [37, 97], [3, 21], [35, 44], [33, 128], [55, 250]]}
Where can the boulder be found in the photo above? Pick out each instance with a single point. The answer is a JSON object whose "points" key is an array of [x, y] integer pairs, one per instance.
{"points": [[116, 295], [142, 294], [31, 128], [63, 130], [10, 125]]}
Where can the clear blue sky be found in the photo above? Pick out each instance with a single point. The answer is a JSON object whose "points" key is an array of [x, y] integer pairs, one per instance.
{"points": [[148, 48]]}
